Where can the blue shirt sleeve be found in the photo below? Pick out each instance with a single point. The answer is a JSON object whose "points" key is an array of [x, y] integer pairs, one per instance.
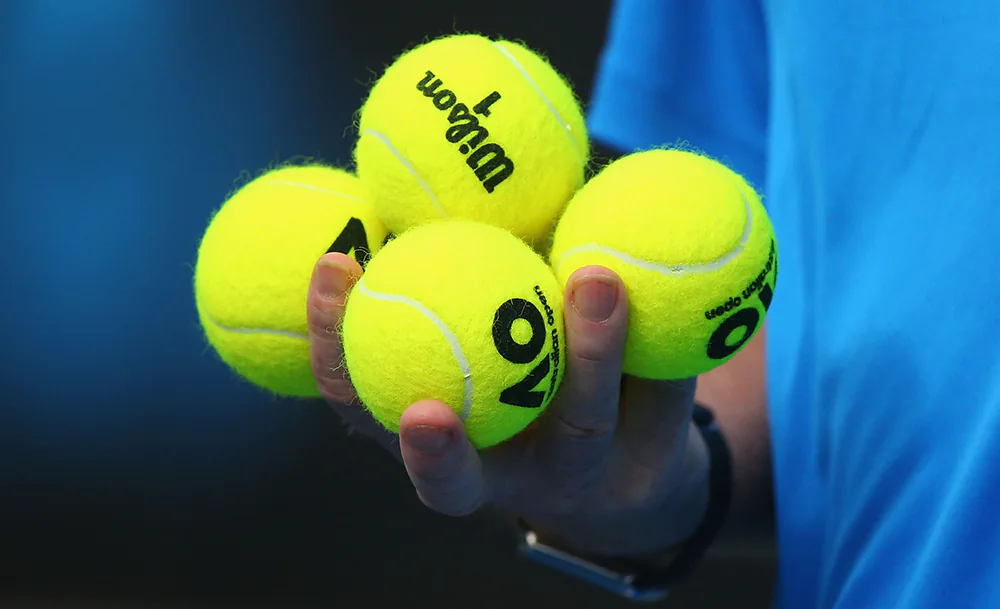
{"points": [[685, 72]]}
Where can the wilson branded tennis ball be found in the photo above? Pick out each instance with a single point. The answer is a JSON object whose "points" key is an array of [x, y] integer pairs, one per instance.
{"points": [[465, 127]]}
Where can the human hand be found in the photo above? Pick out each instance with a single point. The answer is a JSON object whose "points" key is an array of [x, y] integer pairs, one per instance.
{"points": [[611, 467]]}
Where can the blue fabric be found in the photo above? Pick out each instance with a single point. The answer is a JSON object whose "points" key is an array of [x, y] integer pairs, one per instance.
{"points": [[873, 128]]}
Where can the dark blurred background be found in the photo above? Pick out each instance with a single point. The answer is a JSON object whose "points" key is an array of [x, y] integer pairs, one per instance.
{"points": [[134, 468]]}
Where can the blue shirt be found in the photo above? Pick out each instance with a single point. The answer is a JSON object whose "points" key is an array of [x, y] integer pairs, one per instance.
{"points": [[873, 130]]}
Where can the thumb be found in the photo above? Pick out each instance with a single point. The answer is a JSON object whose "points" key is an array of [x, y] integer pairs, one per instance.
{"points": [[576, 436], [596, 325]]}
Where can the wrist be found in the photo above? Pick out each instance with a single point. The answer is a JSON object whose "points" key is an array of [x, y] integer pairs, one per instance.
{"points": [[646, 531], [625, 567]]}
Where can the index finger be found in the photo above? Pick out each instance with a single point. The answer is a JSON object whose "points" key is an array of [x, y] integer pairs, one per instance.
{"points": [[333, 277]]}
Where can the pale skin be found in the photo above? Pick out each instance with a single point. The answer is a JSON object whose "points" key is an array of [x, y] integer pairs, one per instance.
{"points": [[613, 466]]}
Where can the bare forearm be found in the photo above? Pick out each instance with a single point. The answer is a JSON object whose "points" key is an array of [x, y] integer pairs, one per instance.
{"points": [[737, 394]]}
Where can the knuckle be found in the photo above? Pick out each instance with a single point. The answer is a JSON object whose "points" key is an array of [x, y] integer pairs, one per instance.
{"points": [[591, 353], [324, 317], [585, 431]]}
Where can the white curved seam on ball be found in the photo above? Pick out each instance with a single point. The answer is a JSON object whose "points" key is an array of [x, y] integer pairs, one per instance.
{"points": [[672, 269], [445, 331], [313, 187], [268, 331], [405, 162], [566, 126]]}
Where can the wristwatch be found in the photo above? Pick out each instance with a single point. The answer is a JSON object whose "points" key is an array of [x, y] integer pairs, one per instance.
{"points": [[650, 580]]}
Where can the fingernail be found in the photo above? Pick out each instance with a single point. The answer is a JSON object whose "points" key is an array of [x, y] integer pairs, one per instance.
{"points": [[331, 279], [595, 297], [427, 439]]}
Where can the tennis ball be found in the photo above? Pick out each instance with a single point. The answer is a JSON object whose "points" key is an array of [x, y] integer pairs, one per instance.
{"points": [[466, 127], [462, 312], [694, 248], [255, 262]]}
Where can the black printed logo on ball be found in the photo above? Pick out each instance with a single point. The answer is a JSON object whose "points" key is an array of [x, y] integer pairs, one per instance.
{"points": [[543, 330], [488, 160], [747, 318]]}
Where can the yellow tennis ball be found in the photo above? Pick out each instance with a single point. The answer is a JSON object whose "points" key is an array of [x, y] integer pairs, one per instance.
{"points": [[255, 262], [466, 127], [694, 247], [462, 312]]}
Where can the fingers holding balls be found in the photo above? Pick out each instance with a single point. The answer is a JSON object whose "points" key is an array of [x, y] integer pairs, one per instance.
{"points": [[469, 149]]}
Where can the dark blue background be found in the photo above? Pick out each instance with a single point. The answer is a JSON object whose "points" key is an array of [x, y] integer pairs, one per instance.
{"points": [[132, 463], [127, 123]]}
